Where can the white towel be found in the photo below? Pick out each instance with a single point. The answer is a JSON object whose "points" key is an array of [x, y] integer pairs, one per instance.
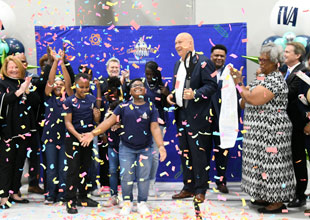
{"points": [[228, 121]]}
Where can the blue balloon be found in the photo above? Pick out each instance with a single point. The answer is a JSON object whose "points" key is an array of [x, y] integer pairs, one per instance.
{"points": [[15, 46], [270, 39]]}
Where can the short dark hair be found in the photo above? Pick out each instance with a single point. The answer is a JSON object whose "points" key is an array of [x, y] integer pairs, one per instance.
{"points": [[81, 75], [219, 47], [85, 69], [134, 80]]}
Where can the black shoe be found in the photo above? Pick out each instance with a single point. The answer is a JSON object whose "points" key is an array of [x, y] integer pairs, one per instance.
{"points": [[296, 202], [260, 203], [18, 201], [87, 202], [5, 206], [223, 188], [274, 211], [71, 208]]}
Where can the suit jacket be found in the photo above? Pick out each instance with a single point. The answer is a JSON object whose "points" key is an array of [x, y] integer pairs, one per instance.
{"points": [[198, 110], [294, 84]]}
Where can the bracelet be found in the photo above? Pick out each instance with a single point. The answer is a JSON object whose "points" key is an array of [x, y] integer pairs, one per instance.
{"points": [[99, 99], [240, 83]]}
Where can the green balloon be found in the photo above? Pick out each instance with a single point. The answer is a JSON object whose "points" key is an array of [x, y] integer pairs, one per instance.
{"points": [[301, 40], [4, 47]]}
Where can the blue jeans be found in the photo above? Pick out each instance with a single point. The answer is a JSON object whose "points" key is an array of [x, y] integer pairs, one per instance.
{"points": [[113, 165], [135, 165], [55, 164]]}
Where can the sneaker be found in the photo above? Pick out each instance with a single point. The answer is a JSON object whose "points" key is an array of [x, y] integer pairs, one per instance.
{"points": [[152, 189], [87, 202], [143, 209], [113, 201], [71, 208], [127, 206], [49, 200]]}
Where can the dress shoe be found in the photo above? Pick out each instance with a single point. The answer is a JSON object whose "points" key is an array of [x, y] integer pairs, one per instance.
{"points": [[199, 198], [296, 202], [182, 195], [274, 211], [87, 202], [71, 208], [223, 188], [18, 201], [307, 212], [264, 203], [35, 189]]}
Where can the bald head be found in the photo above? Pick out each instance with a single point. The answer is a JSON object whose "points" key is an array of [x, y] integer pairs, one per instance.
{"points": [[184, 42]]}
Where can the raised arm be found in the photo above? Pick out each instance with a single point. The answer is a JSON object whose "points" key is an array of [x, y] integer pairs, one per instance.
{"points": [[66, 75], [51, 78]]}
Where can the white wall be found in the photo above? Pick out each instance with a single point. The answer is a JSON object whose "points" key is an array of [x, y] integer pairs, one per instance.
{"points": [[256, 15], [144, 12], [39, 12]]}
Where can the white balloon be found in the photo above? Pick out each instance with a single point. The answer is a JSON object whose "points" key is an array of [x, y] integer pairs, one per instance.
{"points": [[8, 19], [291, 15]]}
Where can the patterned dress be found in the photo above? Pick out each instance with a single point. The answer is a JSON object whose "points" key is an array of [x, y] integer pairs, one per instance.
{"points": [[267, 167]]}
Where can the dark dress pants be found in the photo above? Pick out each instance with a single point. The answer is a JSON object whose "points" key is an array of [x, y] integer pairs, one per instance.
{"points": [[78, 160], [299, 162]]}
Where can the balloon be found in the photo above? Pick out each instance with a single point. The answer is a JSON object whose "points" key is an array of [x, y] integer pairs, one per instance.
{"points": [[301, 40], [15, 46], [4, 47], [290, 15], [289, 36], [270, 39], [7, 19], [280, 41]]}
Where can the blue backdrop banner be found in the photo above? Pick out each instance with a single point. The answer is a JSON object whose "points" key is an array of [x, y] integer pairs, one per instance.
{"points": [[134, 46]]}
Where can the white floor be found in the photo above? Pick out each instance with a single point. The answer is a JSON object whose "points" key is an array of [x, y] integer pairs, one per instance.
{"points": [[233, 206]]}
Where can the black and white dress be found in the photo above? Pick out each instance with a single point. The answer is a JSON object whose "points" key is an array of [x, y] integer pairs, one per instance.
{"points": [[267, 167]]}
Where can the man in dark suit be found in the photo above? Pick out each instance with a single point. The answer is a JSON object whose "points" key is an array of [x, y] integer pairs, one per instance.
{"points": [[294, 54], [193, 120], [218, 57]]}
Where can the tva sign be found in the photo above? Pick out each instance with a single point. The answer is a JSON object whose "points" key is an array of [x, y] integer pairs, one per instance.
{"points": [[287, 15], [290, 16]]}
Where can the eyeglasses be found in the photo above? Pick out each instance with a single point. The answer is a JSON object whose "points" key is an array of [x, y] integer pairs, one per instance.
{"points": [[137, 85], [262, 60]]}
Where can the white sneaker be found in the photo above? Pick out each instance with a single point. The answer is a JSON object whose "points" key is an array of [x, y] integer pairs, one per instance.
{"points": [[152, 189], [127, 206], [113, 201], [143, 209]]}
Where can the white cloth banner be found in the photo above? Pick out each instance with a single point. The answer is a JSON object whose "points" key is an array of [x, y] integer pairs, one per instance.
{"points": [[228, 120]]}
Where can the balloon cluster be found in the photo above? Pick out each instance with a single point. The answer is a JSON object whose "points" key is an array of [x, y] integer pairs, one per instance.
{"points": [[10, 46], [289, 37]]}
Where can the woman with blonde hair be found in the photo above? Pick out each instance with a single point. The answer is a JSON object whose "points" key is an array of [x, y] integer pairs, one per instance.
{"points": [[17, 98]]}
